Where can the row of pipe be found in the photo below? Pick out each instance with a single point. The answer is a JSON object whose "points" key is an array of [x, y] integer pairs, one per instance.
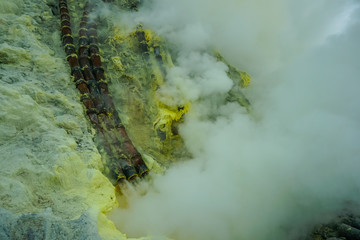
{"points": [[88, 74]]}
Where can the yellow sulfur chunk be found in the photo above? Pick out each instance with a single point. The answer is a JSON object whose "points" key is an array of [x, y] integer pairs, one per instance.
{"points": [[245, 79], [166, 117]]}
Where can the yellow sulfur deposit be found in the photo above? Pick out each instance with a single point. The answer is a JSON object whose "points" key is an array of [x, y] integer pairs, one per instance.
{"points": [[245, 79], [167, 117], [107, 229], [240, 77], [137, 69]]}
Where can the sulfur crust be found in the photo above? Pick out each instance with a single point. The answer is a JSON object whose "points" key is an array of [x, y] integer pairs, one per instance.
{"points": [[48, 157], [107, 229], [135, 82]]}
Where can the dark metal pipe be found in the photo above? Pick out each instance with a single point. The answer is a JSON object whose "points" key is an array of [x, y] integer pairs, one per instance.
{"points": [[89, 78]]}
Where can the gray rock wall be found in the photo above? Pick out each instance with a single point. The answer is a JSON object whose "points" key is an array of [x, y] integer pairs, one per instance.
{"points": [[46, 226]]}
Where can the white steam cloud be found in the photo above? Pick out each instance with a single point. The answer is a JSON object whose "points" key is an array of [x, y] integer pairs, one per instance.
{"points": [[291, 163]]}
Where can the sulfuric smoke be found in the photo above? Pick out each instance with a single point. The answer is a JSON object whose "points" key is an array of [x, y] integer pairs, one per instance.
{"points": [[294, 160]]}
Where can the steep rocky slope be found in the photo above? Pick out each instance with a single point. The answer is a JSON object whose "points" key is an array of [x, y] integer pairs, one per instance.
{"points": [[50, 167]]}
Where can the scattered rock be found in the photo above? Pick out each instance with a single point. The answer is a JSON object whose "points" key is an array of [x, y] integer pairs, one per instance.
{"points": [[45, 226]]}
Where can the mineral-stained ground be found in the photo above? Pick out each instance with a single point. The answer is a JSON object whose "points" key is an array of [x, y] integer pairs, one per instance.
{"points": [[52, 183], [56, 180]]}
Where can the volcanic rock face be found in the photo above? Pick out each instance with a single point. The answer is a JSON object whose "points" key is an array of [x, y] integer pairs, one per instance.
{"points": [[52, 183], [48, 157], [54, 175], [46, 226]]}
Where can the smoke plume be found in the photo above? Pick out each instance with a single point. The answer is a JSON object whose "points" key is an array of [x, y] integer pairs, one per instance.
{"points": [[294, 160]]}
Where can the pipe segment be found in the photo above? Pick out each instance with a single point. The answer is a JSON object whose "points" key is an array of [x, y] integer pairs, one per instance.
{"points": [[89, 78]]}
